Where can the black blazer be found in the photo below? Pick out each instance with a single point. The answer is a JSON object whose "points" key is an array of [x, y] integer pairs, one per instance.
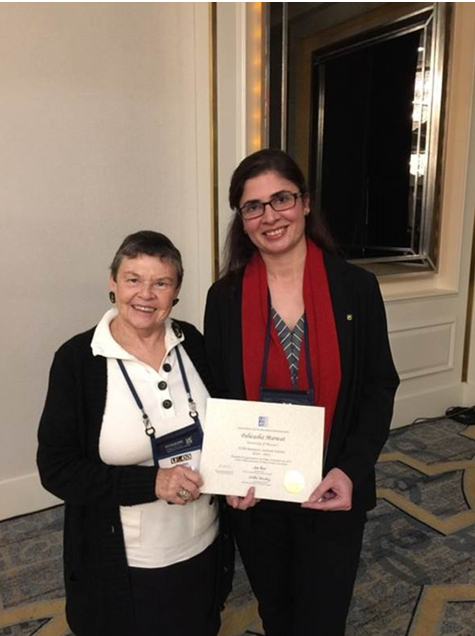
{"points": [[368, 377]]}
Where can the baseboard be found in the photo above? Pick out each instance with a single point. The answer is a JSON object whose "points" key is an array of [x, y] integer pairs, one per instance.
{"points": [[23, 495], [430, 403]]}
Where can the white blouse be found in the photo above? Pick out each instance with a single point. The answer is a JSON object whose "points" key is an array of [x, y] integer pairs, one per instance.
{"points": [[156, 534]]}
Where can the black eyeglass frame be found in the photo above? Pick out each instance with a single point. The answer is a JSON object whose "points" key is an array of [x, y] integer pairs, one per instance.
{"points": [[295, 195]]}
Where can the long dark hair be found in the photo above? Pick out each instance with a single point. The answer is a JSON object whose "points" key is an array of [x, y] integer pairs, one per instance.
{"points": [[238, 248]]}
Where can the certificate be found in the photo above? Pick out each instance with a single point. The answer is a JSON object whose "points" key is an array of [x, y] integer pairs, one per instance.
{"points": [[277, 448]]}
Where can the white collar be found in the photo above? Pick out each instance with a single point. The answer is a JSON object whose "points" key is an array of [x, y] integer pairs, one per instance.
{"points": [[103, 344]]}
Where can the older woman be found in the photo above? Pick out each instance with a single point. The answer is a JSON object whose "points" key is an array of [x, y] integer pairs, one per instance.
{"points": [[119, 441], [289, 310]]}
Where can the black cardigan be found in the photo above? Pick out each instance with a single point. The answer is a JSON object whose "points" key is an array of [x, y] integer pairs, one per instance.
{"points": [[98, 596], [368, 377]]}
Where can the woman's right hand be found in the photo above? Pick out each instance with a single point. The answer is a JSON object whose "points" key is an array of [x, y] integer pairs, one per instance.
{"points": [[171, 481], [243, 503]]}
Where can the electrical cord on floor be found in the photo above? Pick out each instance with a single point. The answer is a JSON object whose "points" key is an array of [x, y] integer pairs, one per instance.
{"points": [[464, 415], [461, 414]]}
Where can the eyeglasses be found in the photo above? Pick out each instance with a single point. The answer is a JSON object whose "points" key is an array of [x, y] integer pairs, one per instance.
{"points": [[280, 202]]}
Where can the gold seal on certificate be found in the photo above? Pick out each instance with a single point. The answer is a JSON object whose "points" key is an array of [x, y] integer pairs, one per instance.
{"points": [[277, 448], [294, 481]]}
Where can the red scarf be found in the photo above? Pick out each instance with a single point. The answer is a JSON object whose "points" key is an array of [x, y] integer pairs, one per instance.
{"points": [[324, 350]]}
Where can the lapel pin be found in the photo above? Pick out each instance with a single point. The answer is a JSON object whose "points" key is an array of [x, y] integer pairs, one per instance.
{"points": [[349, 317]]}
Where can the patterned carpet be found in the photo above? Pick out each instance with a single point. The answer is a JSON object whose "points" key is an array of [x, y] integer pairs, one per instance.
{"points": [[417, 572]]}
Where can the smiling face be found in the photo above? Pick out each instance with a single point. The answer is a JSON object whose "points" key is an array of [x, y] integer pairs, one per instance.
{"points": [[275, 233], [145, 289]]}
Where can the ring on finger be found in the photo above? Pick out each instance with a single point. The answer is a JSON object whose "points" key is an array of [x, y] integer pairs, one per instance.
{"points": [[184, 494]]}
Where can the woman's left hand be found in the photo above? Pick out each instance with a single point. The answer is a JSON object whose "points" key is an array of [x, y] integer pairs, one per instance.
{"points": [[243, 503], [335, 493]]}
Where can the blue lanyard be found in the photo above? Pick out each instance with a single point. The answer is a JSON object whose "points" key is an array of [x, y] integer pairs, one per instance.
{"points": [[149, 428]]}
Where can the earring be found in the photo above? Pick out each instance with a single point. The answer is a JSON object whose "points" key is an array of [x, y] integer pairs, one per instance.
{"points": [[175, 301], [112, 297]]}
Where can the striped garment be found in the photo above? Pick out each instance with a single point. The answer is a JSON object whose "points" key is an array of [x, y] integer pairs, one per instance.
{"points": [[291, 341]]}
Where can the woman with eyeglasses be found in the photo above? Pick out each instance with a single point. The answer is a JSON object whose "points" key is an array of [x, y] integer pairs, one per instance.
{"points": [[282, 276], [120, 441]]}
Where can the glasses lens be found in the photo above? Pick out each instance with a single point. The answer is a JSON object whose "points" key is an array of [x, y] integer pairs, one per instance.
{"points": [[283, 201], [252, 209]]}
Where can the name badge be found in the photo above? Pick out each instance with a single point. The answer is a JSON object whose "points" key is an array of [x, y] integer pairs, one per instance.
{"points": [[287, 396], [179, 448]]}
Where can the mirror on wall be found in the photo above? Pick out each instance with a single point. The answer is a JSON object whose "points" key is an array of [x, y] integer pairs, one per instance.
{"points": [[356, 96]]}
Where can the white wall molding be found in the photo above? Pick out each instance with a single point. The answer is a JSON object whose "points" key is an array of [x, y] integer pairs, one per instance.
{"points": [[423, 349], [419, 295], [203, 149], [231, 97], [428, 403]]}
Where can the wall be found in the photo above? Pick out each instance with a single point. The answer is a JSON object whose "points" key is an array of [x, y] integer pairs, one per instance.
{"points": [[104, 130]]}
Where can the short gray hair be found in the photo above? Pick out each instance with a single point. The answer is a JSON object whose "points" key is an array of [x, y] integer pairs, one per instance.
{"points": [[149, 243]]}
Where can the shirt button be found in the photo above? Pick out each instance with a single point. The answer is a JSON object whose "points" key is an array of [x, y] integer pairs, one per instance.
{"points": [[167, 404], [162, 385], [166, 367]]}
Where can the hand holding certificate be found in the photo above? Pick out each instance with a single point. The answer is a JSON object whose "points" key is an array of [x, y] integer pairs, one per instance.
{"points": [[277, 448]]}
